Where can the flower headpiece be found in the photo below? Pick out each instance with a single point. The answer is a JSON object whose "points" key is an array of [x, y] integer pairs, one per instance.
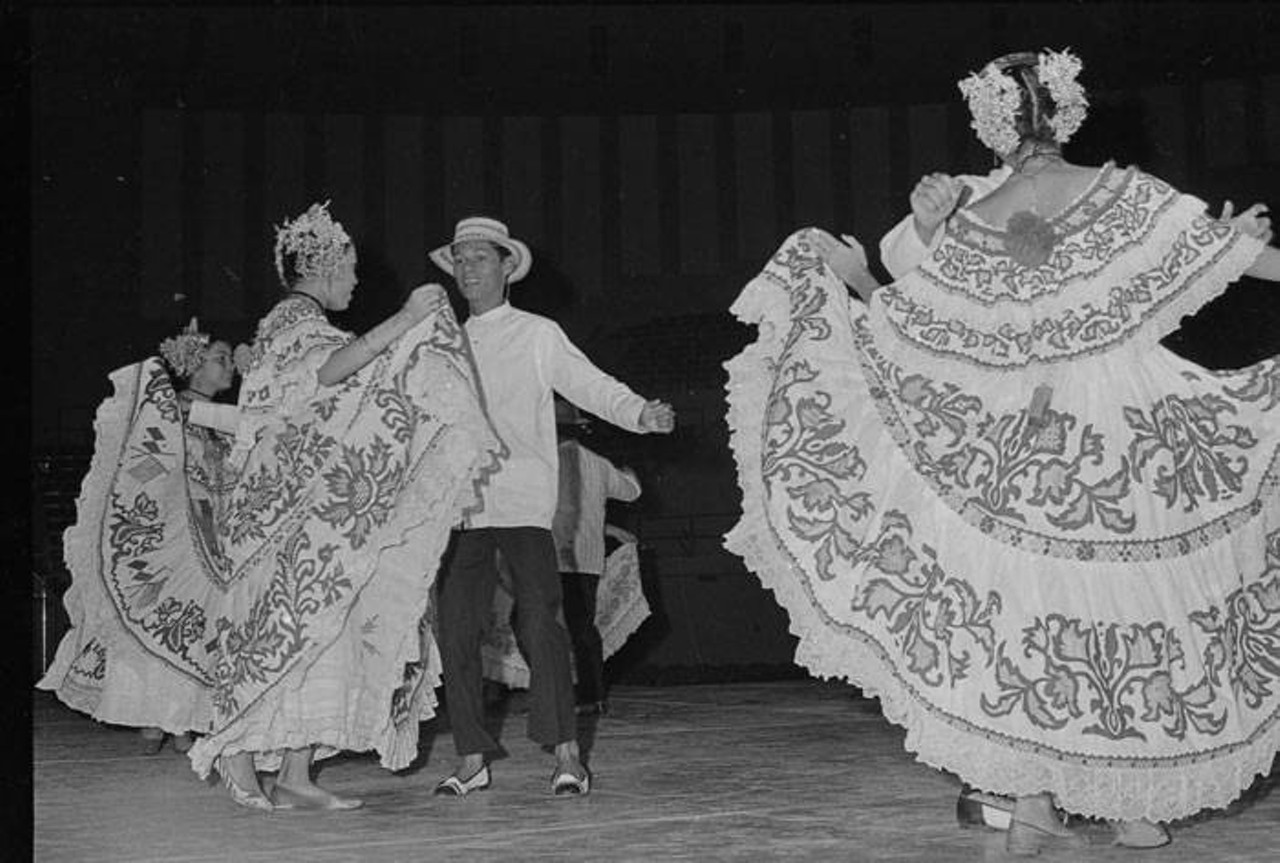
{"points": [[186, 351], [993, 96], [318, 243]]}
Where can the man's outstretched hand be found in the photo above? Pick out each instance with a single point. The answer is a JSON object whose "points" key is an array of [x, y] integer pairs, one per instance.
{"points": [[658, 416]]}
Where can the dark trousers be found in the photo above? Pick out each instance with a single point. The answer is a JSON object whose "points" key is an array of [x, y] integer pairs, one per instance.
{"points": [[467, 582], [588, 650]]}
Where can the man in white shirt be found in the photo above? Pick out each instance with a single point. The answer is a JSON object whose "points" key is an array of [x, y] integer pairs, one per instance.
{"points": [[588, 481], [522, 360]]}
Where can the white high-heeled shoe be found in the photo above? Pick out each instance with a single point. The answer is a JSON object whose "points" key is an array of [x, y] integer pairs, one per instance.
{"points": [[1140, 834]]}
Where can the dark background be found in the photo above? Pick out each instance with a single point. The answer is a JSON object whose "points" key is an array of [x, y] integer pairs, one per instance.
{"points": [[862, 92]]}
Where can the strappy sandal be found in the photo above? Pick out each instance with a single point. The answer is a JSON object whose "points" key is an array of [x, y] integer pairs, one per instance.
{"points": [[452, 786]]}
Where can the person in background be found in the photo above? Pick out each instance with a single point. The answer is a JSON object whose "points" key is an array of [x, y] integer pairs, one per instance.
{"points": [[588, 481]]}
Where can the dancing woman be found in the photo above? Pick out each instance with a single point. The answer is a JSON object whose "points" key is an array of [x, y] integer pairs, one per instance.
{"points": [[991, 498], [100, 667], [354, 458]]}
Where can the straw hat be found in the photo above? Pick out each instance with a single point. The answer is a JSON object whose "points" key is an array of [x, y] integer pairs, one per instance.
{"points": [[489, 230]]}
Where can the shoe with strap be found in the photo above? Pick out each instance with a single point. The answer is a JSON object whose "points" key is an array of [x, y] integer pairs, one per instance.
{"points": [[452, 786], [565, 783]]}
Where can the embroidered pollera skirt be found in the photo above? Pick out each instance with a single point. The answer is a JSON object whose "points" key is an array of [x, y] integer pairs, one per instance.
{"points": [[297, 614], [320, 634], [1082, 598], [101, 668]]}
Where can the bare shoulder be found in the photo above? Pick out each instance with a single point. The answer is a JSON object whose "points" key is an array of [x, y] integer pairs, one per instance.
{"points": [[1047, 192]]}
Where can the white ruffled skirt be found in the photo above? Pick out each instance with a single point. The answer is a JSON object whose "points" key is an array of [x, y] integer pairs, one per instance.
{"points": [[1085, 602]]}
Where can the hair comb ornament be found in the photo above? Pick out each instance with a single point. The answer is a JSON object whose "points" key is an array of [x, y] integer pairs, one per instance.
{"points": [[318, 243], [185, 352]]}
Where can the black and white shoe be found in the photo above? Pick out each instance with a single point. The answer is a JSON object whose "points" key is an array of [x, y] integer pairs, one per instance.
{"points": [[564, 784], [452, 786]]}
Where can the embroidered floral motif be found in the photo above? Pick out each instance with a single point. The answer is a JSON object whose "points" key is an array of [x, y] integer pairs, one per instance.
{"points": [[997, 463], [938, 622], [1025, 485], [399, 412], [1262, 384], [1177, 712], [362, 490], [1011, 456], [1202, 459], [251, 651], [941, 405], [135, 529], [304, 583], [804, 454], [176, 625], [1244, 648], [274, 488], [1105, 673]]}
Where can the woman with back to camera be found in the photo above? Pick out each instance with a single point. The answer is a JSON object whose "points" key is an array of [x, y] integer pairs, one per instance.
{"points": [[1050, 546]]}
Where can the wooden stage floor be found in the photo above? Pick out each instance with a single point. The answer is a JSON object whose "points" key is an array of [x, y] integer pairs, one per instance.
{"points": [[797, 770]]}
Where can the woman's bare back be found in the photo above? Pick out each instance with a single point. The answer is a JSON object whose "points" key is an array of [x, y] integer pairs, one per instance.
{"points": [[1046, 191]]}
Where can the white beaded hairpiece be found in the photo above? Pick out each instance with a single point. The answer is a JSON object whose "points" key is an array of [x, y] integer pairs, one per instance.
{"points": [[993, 96], [318, 243], [186, 351]]}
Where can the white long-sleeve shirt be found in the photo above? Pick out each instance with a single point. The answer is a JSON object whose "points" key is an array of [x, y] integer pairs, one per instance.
{"points": [[587, 481], [523, 359], [901, 250]]}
